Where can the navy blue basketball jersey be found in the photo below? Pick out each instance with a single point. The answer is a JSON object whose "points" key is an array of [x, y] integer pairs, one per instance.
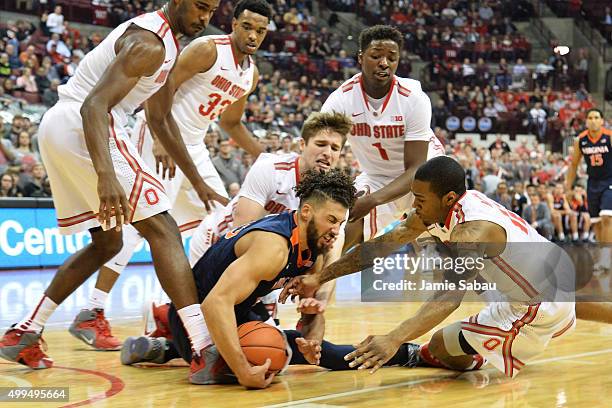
{"points": [[597, 154], [215, 261]]}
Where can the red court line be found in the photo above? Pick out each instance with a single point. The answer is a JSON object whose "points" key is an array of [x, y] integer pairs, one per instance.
{"points": [[117, 385]]}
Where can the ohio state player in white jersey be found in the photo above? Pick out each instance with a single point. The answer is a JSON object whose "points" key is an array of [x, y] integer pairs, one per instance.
{"points": [[93, 167], [533, 276], [212, 79], [391, 134]]}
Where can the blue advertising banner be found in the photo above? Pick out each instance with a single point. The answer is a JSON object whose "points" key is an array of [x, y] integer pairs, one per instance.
{"points": [[29, 237]]}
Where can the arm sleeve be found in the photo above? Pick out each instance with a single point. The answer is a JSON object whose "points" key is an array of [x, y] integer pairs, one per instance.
{"points": [[259, 183], [419, 121]]}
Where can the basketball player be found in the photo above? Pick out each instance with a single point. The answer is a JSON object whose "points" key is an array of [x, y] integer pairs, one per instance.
{"points": [[250, 261], [93, 168], [391, 135], [212, 79], [509, 333], [594, 144]]}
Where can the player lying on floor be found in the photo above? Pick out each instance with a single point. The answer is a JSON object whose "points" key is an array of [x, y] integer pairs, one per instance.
{"points": [[304, 350], [508, 334], [252, 260]]}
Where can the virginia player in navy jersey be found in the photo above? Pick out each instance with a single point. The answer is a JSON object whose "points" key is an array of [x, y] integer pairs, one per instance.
{"points": [[249, 262], [595, 145]]}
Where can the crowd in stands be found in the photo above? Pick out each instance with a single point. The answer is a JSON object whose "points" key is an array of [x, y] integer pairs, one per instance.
{"points": [[597, 12], [452, 29], [301, 63]]}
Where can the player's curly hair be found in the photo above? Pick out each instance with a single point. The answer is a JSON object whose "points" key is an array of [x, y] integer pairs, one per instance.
{"points": [[332, 121], [333, 185], [261, 7], [380, 32]]}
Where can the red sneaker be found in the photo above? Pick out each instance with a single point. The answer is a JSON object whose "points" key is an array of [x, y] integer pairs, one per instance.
{"points": [[24, 347], [156, 321], [208, 367], [91, 327]]}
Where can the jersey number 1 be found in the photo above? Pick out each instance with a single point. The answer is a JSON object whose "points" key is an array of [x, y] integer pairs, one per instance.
{"points": [[381, 150]]}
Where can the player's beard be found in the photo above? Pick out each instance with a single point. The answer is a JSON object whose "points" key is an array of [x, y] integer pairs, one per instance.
{"points": [[312, 238]]}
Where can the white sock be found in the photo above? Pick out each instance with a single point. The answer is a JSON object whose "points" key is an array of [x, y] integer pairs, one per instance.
{"points": [[604, 257], [97, 300], [575, 236], [36, 320], [561, 236], [194, 323], [585, 235]]}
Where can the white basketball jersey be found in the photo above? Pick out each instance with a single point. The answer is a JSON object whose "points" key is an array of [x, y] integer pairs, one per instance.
{"points": [[95, 63], [203, 98], [378, 135], [525, 268], [270, 182]]}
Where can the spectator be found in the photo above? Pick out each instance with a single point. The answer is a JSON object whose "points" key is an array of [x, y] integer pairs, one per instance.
{"points": [[538, 215], [519, 199], [8, 187], [230, 169], [6, 154], [233, 190], [499, 143], [501, 195], [537, 118], [5, 66], [285, 145], [27, 82], [60, 46], [55, 21], [34, 186], [50, 96], [520, 75], [23, 151]]}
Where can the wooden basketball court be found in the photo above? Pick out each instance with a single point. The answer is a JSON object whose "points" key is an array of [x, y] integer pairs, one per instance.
{"points": [[574, 372]]}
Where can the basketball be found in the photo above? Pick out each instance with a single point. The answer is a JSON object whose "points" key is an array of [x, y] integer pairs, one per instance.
{"points": [[260, 341]]}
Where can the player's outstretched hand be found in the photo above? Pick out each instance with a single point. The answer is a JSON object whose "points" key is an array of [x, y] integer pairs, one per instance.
{"points": [[372, 353], [362, 207], [164, 164], [303, 286], [310, 349], [112, 203], [311, 306], [207, 195], [257, 376]]}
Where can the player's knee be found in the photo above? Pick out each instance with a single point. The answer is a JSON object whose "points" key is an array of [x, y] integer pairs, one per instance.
{"points": [[437, 347], [107, 244], [159, 227]]}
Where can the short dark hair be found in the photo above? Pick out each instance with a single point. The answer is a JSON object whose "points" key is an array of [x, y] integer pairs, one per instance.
{"points": [[333, 185], [261, 7], [380, 32], [333, 121], [595, 110], [443, 174]]}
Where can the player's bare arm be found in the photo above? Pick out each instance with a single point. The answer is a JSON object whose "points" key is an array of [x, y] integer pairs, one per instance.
{"points": [[237, 282], [415, 154], [139, 53], [570, 178], [360, 257], [231, 122], [247, 210], [468, 240], [198, 57]]}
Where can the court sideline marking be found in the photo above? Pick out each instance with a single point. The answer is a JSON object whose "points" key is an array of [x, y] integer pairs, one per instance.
{"points": [[419, 381]]}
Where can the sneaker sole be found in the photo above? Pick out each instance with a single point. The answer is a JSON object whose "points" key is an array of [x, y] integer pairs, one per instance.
{"points": [[134, 350]]}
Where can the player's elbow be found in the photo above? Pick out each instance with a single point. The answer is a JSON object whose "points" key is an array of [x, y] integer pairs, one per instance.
{"points": [[228, 125]]}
